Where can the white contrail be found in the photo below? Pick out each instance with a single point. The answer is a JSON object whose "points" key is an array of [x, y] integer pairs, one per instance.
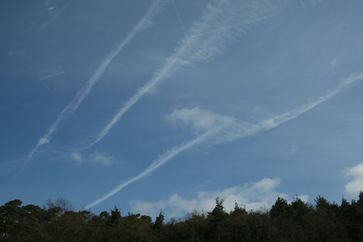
{"points": [[233, 134], [240, 131], [162, 160], [68, 110], [227, 18], [179, 17], [51, 75]]}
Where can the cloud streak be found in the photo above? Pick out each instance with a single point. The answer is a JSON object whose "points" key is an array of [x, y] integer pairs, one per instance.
{"points": [[199, 120], [237, 131], [227, 133], [73, 105], [222, 22], [162, 160], [95, 158], [54, 74]]}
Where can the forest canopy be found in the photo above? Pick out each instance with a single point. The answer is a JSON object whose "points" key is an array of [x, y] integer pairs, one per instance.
{"points": [[285, 221]]}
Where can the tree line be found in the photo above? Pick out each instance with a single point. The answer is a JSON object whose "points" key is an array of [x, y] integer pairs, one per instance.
{"points": [[285, 221]]}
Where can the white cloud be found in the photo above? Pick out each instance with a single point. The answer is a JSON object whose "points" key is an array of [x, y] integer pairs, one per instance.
{"points": [[77, 157], [356, 171], [355, 185], [43, 141], [199, 120], [258, 195], [95, 158], [101, 158]]}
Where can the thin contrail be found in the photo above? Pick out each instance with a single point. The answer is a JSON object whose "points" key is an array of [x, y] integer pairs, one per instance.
{"points": [[235, 134], [228, 19], [277, 120], [89, 84], [179, 17], [162, 160], [51, 75]]}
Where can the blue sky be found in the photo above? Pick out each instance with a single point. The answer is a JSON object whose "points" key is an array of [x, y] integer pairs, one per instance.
{"points": [[167, 104]]}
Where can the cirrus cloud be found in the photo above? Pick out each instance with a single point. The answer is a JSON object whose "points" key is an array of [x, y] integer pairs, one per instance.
{"points": [[95, 158], [199, 120]]}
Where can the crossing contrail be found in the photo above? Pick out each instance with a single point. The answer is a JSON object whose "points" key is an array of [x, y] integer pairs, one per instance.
{"points": [[73, 105], [228, 19], [233, 133]]}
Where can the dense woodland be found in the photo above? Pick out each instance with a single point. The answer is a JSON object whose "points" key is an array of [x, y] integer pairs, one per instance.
{"points": [[295, 221]]}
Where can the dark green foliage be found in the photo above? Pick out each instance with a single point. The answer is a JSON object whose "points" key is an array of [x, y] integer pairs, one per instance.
{"points": [[295, 221], [159, 222]]}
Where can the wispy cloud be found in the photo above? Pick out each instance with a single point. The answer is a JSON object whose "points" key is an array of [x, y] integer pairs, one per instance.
{"points": [[335, 62], [95, 158], [308, 3], [355, 185], [90, 83], [77, 157], [222, 22], [179, 17], [254, 196], [199, 120], [54, 14], [228, 133]]}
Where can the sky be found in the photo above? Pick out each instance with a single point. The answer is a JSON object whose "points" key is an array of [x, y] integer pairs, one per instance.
{"points": [[165, 105]]}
